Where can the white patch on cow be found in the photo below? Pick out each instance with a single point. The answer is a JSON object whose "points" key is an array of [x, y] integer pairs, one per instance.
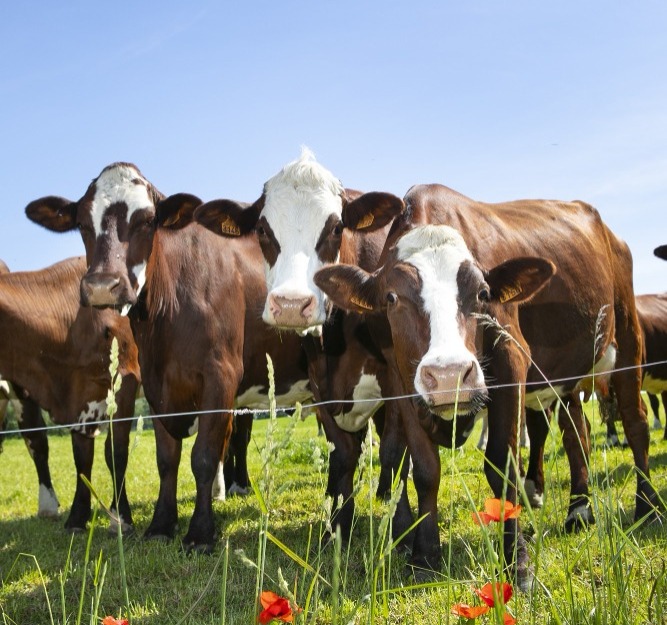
{"points": [[194, 428], [581, 514], [115, 520], [218, 489], [655, 386], [535, 499], [363, 408], [116, 185], [257, 397], [48, 502], [542, 398], [239, 491], [437, 252], [94, 411], [298, 201], [140, 273], [5, 388]]}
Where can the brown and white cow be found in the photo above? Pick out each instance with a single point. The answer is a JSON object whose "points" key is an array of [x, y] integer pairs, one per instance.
{"points": [[194, 302], [433, 286], [56, 354], [301, 220]]}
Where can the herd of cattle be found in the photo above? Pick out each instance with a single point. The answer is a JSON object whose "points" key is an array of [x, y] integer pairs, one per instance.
{"points": [[424, 313]]}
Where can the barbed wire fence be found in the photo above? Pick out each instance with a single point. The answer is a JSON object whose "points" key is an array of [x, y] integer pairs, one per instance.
{"points": [[307, 408]]}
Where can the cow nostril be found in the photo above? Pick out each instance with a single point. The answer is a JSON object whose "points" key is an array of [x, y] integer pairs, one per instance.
{"points": [[274, 306], [466, 372], [429, 381], [308, 308]]}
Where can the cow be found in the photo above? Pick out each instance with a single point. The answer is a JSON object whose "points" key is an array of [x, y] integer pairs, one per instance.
{"points": [[652, 312], [56, 354], [301, 219], [194, 302], [661, 252], [486, 308]]}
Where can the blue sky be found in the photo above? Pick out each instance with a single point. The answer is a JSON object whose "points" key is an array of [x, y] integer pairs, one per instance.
{"points": [[497, 99]]}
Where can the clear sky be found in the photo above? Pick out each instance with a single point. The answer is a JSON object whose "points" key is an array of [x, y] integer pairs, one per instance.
{"points": [[497, 99]]}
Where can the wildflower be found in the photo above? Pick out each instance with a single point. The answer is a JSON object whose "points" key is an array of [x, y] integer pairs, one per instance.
{"points": [[275, 607], [487, 595], [469, 611], [110, 620], [503, 592], [494, 512]]}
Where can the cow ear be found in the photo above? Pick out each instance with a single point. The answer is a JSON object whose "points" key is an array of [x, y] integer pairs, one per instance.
{"points": [[349, 288], [176, 211], [661, 252], [517, 280], [371, 211], [229, 218], [54, 213]]}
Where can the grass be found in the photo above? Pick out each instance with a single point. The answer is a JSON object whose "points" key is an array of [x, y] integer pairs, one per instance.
{"points": [[610, 573]]}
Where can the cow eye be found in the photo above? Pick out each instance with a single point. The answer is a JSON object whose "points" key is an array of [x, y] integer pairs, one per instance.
{"points": [[484, 294], [338, 229], [392, 298], [260, 231]]}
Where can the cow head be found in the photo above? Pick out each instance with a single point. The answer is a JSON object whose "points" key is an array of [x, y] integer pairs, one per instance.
{"points": [[432, 292], [661, 252], [299, 220], [117, 217]]}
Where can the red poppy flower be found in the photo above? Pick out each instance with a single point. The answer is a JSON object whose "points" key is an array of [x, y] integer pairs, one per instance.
{"points": [[494, 512], [275, 607], [110, 620], [469, 611], [502, 591], [509, 619]]}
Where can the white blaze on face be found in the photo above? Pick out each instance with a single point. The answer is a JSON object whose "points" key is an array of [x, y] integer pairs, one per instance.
{"points": [[437, 253], [117, 185], [298, 202]]}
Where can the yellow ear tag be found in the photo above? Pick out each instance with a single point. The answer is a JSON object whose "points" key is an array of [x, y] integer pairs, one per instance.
{"points": [[172, 220], [361, 303], [366, 221], [509, 293], [229, 227]]}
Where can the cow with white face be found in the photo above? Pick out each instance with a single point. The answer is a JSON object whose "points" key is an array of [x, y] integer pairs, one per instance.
{"points": [[432, 293], [118, 206], [303, 220], [193, 300]]}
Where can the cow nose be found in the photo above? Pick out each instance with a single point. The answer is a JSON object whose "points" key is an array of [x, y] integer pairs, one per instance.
{"points": [[448, 384], [292, 311], [100, 289]]}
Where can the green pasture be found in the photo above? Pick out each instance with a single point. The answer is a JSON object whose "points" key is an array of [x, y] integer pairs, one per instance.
{"points": [[611, 573]]}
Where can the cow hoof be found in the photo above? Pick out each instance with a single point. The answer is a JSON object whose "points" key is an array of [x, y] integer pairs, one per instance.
{"points": [[656, 424], [614, 441], [193, 548], [75, 530], [236, 490], [126, 529], [524, 579], [535, 499], [51, 515], [579, 518]]}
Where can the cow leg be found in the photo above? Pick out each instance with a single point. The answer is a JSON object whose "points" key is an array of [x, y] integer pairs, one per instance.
{"points": [[384, 483], [29, 416], [426, 548], [394, 457], [343, 462], [577, 443], [626, 381], [116, 456], [211, 443], [238, 480], [165, 515], [83, 448], [504, 402], [537, 422], [664, 407]]}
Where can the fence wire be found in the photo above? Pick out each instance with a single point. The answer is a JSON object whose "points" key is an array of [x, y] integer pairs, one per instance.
{"points": [[305, 408]]}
